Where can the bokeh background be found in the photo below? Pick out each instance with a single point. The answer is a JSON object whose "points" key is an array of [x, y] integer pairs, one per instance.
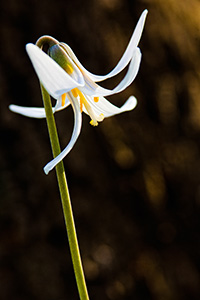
{"points": [[134, 179]]}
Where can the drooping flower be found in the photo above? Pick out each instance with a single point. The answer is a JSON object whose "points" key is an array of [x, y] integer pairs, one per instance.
{"points": [[67, 81]]}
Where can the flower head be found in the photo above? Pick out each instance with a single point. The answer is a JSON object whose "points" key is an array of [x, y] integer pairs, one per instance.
{"points": [[66, 80]]}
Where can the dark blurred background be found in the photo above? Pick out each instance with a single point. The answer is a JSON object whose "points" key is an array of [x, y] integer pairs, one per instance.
{"points": [[134, 180]]}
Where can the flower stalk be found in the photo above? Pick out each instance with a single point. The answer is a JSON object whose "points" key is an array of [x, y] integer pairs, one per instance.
{"points": [[65, 198]]}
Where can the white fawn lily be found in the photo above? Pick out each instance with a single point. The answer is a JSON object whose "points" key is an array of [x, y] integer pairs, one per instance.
{"points": [[67, 81]]}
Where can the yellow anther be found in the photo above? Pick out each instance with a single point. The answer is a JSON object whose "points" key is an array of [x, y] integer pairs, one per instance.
{"points": [[101, 117], [63, 97], [96, 99], [94, 123]]}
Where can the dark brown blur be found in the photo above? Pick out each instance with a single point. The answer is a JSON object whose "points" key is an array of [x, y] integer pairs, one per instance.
{"points": [[134, 180]]}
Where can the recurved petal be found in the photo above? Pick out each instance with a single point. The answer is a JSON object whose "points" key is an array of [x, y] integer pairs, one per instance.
{"points": [[36, 112], [55, 80], [32, 112], [93, 89], [103, 106], [75, 134], [125, 59]]}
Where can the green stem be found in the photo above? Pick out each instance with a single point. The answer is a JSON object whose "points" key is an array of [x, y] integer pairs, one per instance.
{"points": [[65, 198]]}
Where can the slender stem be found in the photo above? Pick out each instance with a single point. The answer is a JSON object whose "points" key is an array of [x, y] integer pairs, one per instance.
{"points": [[65, 198]]}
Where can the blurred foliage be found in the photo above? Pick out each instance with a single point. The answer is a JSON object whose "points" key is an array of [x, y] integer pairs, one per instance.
{"points": [[134, 180]]}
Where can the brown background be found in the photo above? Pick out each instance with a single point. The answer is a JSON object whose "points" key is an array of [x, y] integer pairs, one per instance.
{"points": [[134, 180]]}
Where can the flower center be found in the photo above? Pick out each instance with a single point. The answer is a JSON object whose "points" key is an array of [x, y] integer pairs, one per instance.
{"points": [[83, 102]]}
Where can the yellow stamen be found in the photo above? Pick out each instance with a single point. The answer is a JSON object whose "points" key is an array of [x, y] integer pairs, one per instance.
{"points": [[63, 97], [95, 119], [82, 100], [75, 92], [96, 99], [81, 106]]}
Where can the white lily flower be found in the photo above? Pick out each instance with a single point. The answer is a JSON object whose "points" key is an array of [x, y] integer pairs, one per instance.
{"points": [[73, 84]]}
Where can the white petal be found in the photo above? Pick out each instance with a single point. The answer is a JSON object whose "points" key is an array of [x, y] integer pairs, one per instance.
{"points": [[134, 41], [55, 80], [36, 112], [75, 134], [32, 112], [59, 105], [106, 108], [92, 89]]}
